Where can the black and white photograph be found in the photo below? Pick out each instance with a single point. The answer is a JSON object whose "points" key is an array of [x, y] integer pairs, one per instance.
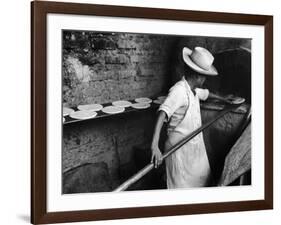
{"points": [[146, 112], [121, 112]]}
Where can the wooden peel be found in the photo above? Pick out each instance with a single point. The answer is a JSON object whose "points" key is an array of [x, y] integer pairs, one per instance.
{"points": [[228, 99], [235, 100], [150, 166]]}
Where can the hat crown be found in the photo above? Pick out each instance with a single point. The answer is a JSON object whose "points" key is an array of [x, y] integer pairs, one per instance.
{"points": [[202, 57]]}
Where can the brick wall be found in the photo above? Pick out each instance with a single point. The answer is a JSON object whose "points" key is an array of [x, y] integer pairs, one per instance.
{"points": [[101, 68]]}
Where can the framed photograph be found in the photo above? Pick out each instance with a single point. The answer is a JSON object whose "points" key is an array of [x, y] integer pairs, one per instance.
{"points": [[144, 112]]}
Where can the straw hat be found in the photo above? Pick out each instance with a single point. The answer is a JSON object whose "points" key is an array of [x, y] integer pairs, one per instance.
{"points": [[200, 60]]}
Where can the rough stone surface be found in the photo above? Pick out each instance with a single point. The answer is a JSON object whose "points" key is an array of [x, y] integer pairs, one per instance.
{"points": [[238, 160], [220, 137], [87, 178]]}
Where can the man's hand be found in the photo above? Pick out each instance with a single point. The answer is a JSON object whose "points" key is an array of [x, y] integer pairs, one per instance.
{"points": [[156, 157]]}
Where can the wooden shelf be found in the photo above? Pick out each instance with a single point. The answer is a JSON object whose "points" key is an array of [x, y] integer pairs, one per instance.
{"points": [[100, 114], [208, 105]]}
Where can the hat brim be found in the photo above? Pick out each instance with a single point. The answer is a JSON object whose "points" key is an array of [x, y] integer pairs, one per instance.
{"points": [[186, 57]]}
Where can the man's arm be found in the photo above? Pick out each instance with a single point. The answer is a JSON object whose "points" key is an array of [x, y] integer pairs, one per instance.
{"points": [[156, 153]]}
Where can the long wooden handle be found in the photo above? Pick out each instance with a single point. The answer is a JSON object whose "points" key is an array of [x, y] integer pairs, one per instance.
{"points": [[150, 166]]}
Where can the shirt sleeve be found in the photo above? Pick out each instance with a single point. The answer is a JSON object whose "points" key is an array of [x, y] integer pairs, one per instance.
{"points": [[176, 98], [202, 94]]}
